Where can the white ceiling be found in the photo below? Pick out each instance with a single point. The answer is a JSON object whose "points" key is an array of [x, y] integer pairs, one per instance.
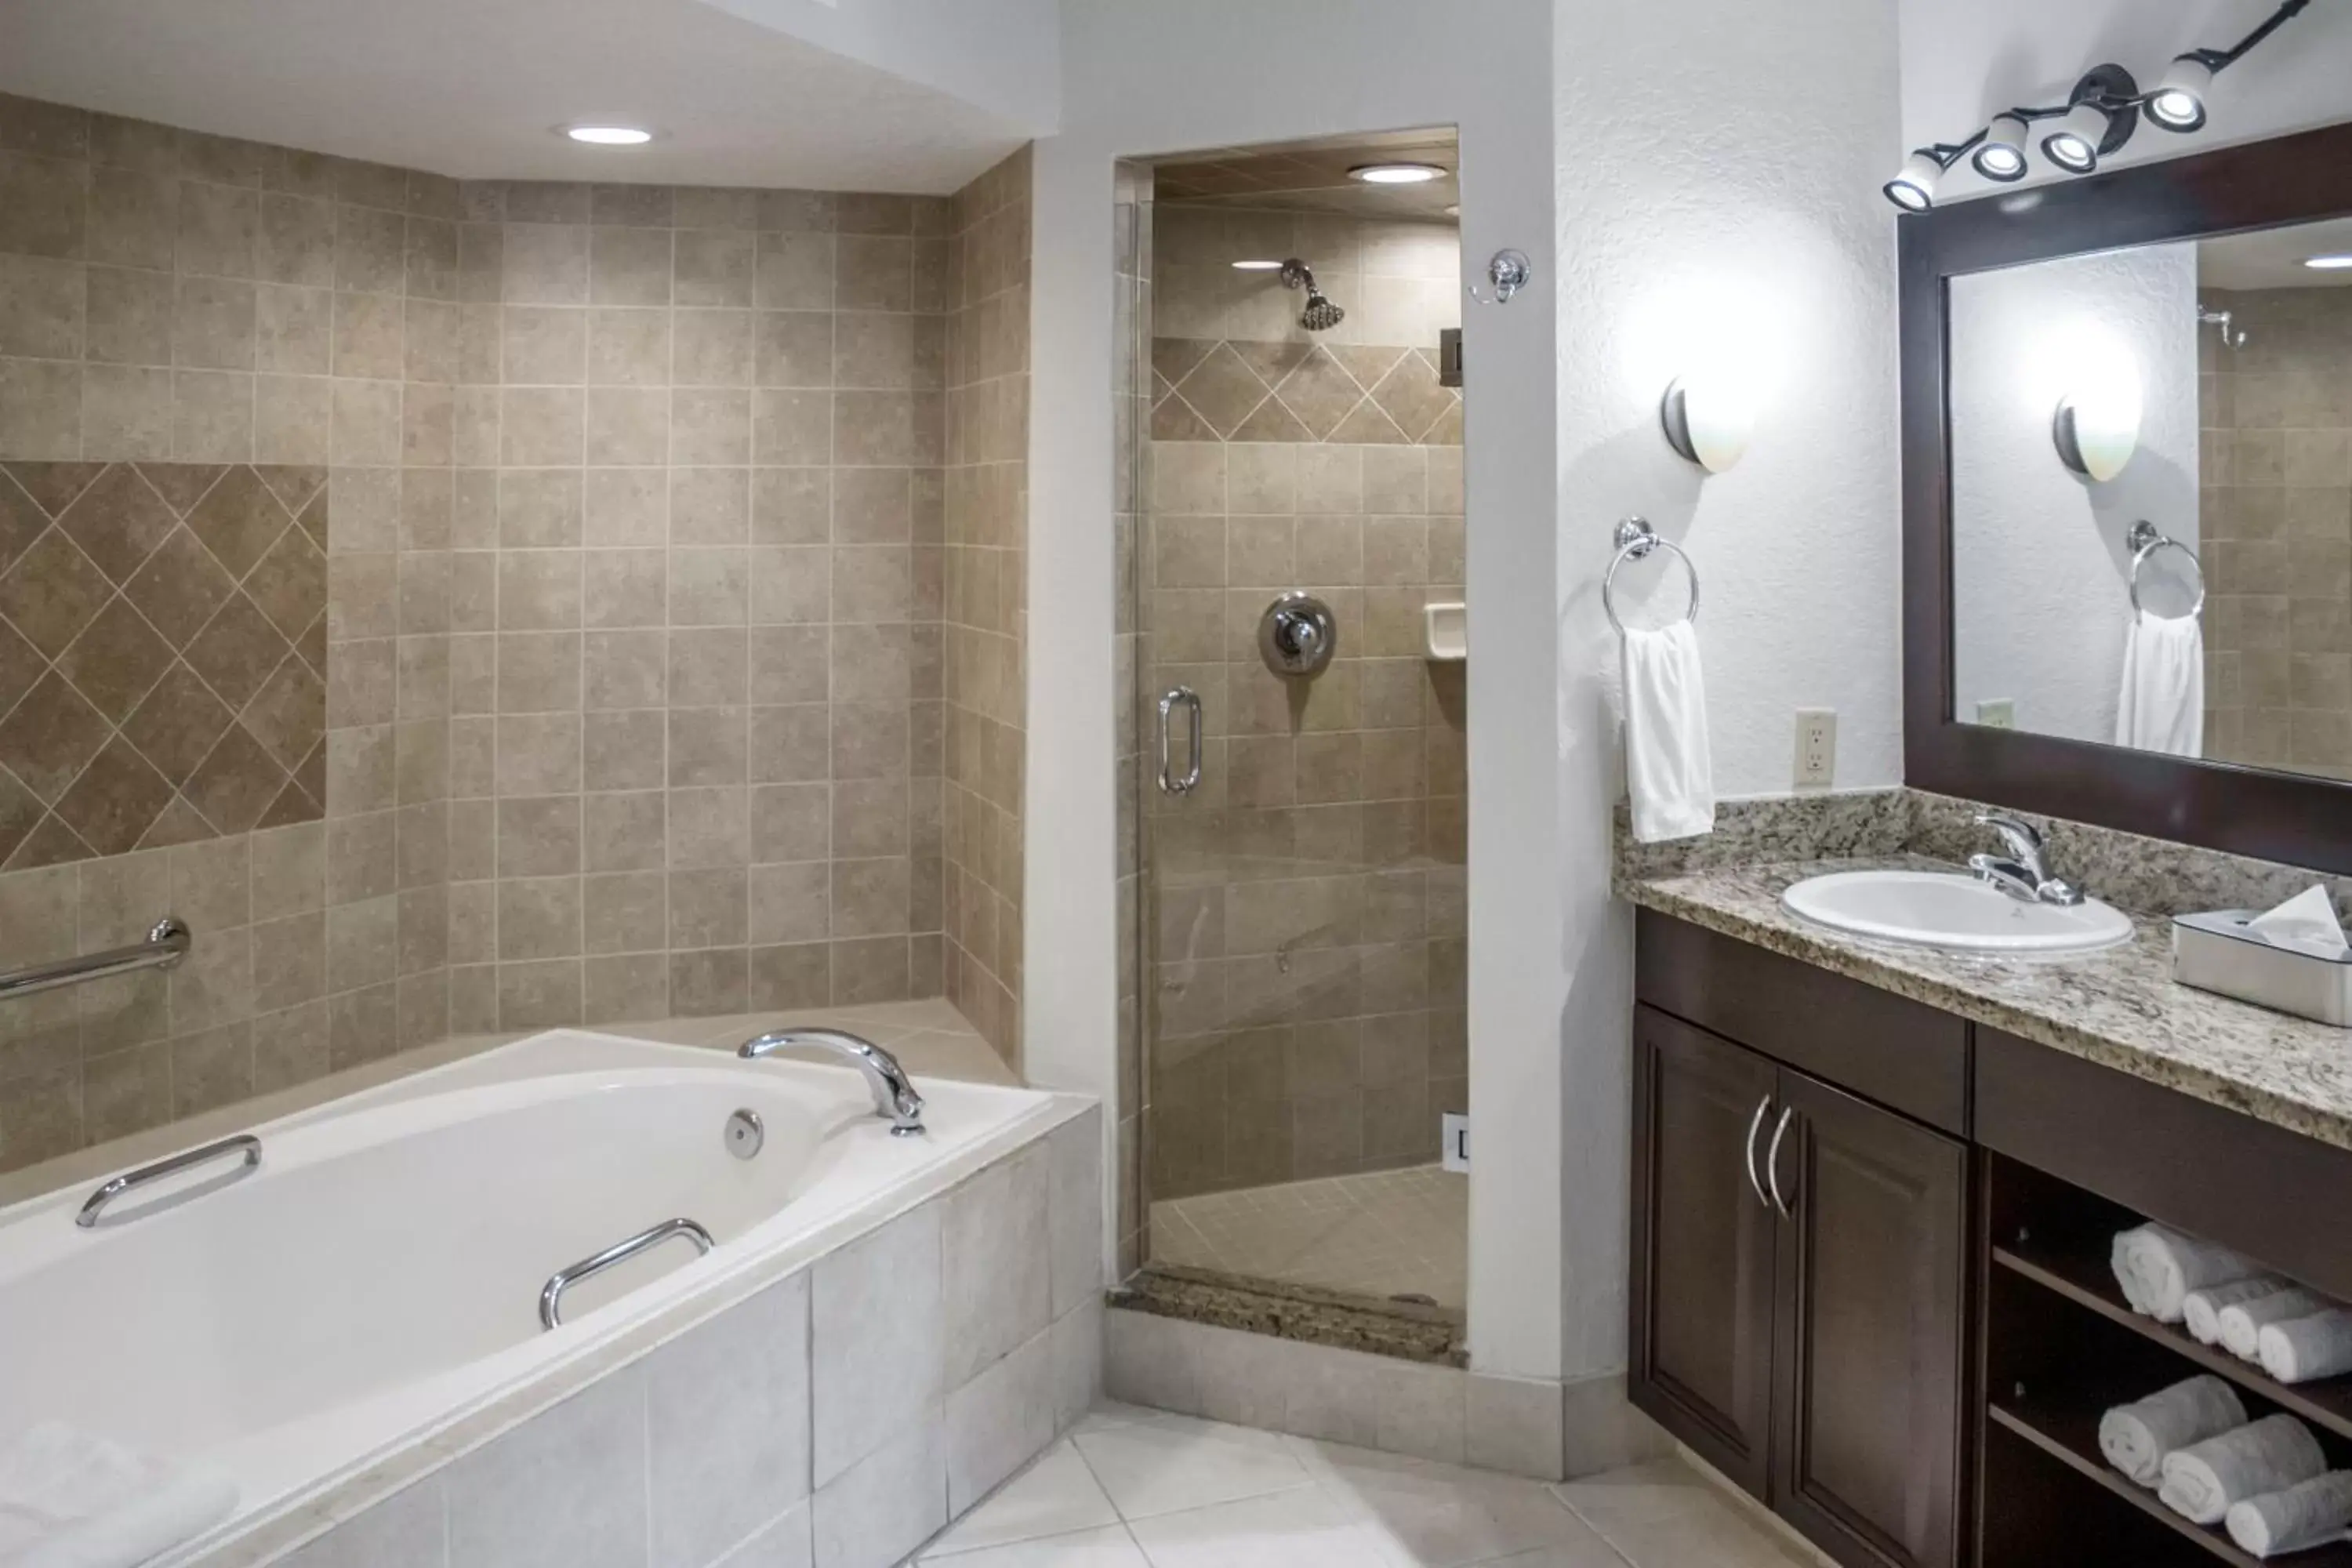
{"points": [[474, 88], [2272, 257]]}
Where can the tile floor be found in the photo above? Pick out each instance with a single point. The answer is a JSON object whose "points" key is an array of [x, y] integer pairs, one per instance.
{"points": [[1383, 1234], [1138, 1488]]}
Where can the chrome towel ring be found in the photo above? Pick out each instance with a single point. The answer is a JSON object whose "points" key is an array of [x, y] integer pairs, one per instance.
{"points": [[1636, 539], [2144, 541]]}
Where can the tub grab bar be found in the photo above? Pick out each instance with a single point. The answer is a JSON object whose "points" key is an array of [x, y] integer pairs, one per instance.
{"points": [[551, 1296], [163, 947], [244, 1143]]}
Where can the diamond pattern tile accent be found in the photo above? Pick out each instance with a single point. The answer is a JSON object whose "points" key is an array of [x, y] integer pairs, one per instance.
{"points": [[52, 592], [1410, 396], [145, 699], [1222, 390], [1320, 392], [1366, 424], [1319, 387], [181, 587], [116, 661], [118, 522], [238, 520]]}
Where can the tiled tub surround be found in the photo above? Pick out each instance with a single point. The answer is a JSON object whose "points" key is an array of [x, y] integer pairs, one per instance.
{"points": [[616, 473], [1306, 942], [985, 601], [694, 596], [2119, 1007], [2276, 514], [850, 1387]]}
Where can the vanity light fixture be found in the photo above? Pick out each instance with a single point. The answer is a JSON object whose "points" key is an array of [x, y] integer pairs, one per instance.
{"points": [[1397, 174], [609, 135], [2001, 157], [2338, 263], [2096, 119]]}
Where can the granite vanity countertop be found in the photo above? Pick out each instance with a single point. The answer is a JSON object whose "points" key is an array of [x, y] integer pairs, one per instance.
{"points": [[2120, 1008]]}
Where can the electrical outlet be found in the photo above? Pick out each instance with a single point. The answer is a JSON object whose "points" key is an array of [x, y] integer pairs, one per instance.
{"points": [[1454, 1141], [1998, 714], [1816, 748]]}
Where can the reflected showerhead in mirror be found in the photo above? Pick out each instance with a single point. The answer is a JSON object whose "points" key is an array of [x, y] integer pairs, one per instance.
{"points": [[1319, 315]]}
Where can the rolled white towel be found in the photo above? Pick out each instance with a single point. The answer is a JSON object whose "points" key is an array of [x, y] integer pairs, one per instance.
{"points": [[2158, 1267], [2243, 1322], [2203, 1479], [2309, 1513], [2200, 1310], [70, 1500], [2301, 1348], [2136, 1437]]}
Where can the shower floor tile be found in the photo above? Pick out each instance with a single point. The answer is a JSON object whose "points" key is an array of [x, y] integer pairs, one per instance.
{"points": [[1380, 1235]]}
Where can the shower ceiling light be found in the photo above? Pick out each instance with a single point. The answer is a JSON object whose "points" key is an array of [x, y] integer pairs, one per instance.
{"points": [[2096, 119], [1257, 266], [609, 135], [2338, 263], [1396, 173]]}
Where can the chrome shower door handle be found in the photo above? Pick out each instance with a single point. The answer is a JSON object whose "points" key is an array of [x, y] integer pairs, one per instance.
{"points": [[1170, 780]]}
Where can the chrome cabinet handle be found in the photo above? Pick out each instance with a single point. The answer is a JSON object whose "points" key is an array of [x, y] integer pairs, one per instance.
{"points": [[1755, 1123], [1170, 780], [244, 1143], [1772, 1163], [551, 1295]]}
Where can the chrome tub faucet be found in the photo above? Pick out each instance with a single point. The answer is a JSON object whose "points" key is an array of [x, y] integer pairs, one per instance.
{"points": [[895, 1100]]}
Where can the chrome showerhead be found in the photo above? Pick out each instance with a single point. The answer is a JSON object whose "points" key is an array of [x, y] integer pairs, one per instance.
{"points": [[1320, 315]]}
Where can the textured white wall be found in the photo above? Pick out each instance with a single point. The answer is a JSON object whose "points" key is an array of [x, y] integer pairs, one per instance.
{"points": [[2039, 565], [1963, 63], [1696, 210]]}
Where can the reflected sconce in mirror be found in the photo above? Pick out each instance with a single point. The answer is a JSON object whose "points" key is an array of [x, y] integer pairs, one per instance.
{"points": [[2096, 426], [1708, 418]]}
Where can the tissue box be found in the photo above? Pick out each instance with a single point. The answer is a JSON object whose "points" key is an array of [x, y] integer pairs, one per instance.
{"points": [[2219, 952]]}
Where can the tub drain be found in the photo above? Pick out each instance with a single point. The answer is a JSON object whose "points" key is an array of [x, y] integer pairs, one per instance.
{"points": [[745, 1134]]}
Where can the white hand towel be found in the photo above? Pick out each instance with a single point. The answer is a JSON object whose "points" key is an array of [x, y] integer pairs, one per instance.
{"points": [[2200, 1310], [2309, 1513], [2162, 705], [70, 1500], [2136, 1437], [2243, 1322], [2203, 1479], [1669, 772], [2300, 1349], [2157, 1268]]}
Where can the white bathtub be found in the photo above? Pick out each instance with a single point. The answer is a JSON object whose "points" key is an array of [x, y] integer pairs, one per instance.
{"points": [[378, 1276]]}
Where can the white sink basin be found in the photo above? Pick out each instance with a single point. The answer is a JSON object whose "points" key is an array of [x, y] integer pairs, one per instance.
{"points": [[1953, 912]]}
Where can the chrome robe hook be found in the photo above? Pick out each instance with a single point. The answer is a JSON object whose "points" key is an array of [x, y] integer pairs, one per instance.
{"points": [[1507, 271]]}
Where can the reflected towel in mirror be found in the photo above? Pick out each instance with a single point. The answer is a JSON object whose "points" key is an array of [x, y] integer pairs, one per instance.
{"points": [[2162, 705]]}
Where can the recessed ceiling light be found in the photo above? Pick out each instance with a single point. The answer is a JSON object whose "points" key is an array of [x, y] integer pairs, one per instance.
{"points": [[2329, 263], [609, 135], [1396, 173], [1257, 266]]}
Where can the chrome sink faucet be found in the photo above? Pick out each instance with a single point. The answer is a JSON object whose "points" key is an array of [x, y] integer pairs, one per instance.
{"points": [[2022, 874], [895, 1100]]}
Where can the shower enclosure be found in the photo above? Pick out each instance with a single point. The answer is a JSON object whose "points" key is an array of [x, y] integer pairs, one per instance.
{"points": [[1299, 776]]}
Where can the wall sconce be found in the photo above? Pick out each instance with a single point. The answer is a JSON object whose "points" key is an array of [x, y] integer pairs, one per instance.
{"points": [[2096, 426], [1708, 417]]}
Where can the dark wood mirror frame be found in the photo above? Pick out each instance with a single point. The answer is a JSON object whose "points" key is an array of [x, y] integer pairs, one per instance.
{"points": [[2247, 811]]}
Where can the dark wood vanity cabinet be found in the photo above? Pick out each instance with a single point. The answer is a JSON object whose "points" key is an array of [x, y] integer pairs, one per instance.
{"points": [[1799, 1279]]}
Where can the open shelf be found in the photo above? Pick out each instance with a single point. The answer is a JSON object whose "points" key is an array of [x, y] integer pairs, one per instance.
{"points": [[2069, 1435], [2087, 1282]]}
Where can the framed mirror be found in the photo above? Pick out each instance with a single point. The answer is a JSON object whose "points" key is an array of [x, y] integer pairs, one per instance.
{"points": [[2127, 498]]}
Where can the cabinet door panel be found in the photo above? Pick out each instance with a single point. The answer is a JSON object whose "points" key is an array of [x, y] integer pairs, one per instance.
{"points": [[1868, 1363], [1703, 1246]]}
